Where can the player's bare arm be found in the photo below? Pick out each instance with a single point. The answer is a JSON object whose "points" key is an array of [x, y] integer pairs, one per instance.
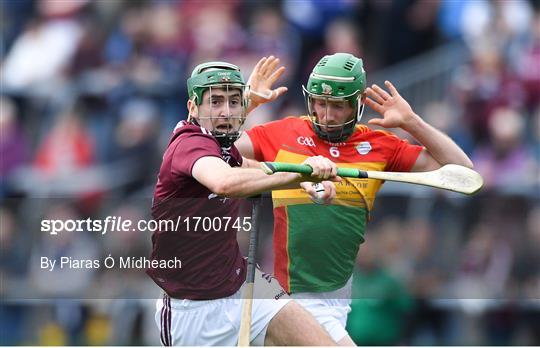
{"points": [[265, 73], [224, 180], [245, 147], [397, 113], [250, 163]]}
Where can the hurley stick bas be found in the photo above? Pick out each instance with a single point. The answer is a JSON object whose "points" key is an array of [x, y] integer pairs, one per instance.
{"points": [[450, 177], [247, 302]]}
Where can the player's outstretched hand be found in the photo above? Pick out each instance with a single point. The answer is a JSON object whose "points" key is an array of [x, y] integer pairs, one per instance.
{"points": [[395, 111], [261, 80], [323, 169], [321, 193]]}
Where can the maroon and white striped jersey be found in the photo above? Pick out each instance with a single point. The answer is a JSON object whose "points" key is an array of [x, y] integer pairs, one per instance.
{"points": [[212, 265]]}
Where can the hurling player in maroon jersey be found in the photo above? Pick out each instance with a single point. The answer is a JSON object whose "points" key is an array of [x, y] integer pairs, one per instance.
{"points": [[201, 173]]}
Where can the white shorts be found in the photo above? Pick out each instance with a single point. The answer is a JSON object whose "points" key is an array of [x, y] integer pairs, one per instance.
{"points": [[329, 308], [217, 322]]}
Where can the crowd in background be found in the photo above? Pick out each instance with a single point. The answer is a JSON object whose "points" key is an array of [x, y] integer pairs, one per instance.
{"points": [[91, 90]]}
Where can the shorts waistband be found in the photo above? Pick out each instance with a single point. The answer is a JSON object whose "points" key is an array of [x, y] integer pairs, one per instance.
{"points": [[187, 304]]}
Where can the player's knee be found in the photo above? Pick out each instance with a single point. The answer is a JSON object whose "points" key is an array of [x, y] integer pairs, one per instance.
{"points": [[293, 325]]}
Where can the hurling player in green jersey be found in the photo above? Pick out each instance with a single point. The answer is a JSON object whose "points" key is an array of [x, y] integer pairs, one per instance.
{"points": [[315, 246]]}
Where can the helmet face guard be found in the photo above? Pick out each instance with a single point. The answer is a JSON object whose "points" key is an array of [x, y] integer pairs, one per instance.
{"points": [[223, 109], [336, 79], [223, 112], [323, 126]]}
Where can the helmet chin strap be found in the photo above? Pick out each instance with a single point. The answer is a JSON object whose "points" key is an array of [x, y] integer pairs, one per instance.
{"points": [[360, 112], [193, 120], [190, 118], [226, 140]]}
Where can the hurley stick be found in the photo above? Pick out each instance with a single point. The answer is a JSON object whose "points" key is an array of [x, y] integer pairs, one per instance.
{"points": [[247, 303], [450, 177]]}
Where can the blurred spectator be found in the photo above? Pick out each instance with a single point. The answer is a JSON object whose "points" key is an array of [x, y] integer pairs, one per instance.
{"points": [[526, 270], [214, 31], [67, 148], [270, 34], [14, 150], [158, 68], [340, 35], [167, 47], [390, 242], [126, 37], [311, 16], [427, 323], [97, 330], [534, 139], [135, 142], [505, 162], [448, 120], [450, 19], [52, 9], [483, 86], [14, 15], [126, 284], [13, 252], [132, 243], [418, 31], [485, 264], [527, 276], [524, 58], [379, 301], [147, 55], [52, 334], [476, 21], [53, 43], [87, 56], [69, 281]]}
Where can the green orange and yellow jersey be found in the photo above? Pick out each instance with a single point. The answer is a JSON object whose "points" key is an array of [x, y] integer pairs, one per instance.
{"points": [[315, 246]]}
